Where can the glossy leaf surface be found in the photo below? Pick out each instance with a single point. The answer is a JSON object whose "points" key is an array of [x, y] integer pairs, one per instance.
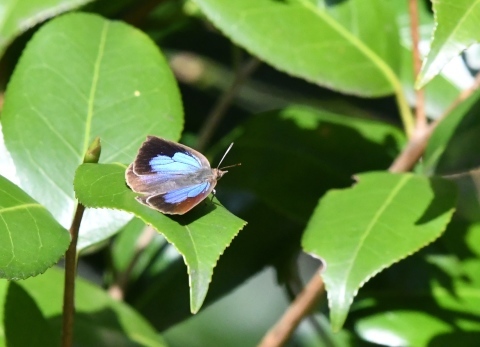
{"points": [[390, 217], [200, 236]]}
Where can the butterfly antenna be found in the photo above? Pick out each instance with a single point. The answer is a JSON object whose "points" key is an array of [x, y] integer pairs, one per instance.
{"points": [[229, 166], [226, 152]]}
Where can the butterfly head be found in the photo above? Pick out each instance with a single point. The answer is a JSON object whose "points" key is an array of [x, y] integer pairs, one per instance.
{"points": [[217, 173]]}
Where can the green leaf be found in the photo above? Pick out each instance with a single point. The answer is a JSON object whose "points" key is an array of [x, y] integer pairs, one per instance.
{"points": [[327, 150], [24, 323], [271, 239], [401, 328], [411, 292], [473, 242], [17, 17], [80, 77], [360, 231], [200, 236], [456, 29], [100, 321], [31, 240], [419, 320], [452, 148], [373, 23], [468, 184], [441, 91], [293, 36]]}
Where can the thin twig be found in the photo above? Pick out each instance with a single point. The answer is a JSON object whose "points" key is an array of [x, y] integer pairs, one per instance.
{"points": [[137, 13], [69, 285], [417, 144], [461, 97], [421, 119], [303, 304], [118, 288], [223, 103]]}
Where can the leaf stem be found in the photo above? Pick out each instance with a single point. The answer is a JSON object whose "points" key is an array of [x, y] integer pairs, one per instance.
{"points": [[218, 111], [69, 284], [301, 306], [404, 107]]}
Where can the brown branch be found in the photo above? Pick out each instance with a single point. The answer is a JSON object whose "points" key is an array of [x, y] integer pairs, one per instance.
{"points": [[421, 118], [303, 304], [92, 155], [118, 288], [69, 284], [218, 111], [417, 144]]}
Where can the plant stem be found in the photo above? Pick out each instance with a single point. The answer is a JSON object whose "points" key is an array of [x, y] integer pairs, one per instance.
{"points": [[218, 111], [69, 286], [465, 94], [92, 155], [118, 288], [420, 117], [303, 304]]}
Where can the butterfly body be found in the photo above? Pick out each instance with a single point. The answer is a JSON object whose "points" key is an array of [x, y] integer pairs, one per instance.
{"points": [[171, 178]]}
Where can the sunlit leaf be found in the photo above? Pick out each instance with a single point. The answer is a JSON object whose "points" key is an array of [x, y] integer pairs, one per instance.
{"points": [[360, 231], [294, 36], [19, 16], [110, 81], [31, 240], [200, 236], [456, 29]]}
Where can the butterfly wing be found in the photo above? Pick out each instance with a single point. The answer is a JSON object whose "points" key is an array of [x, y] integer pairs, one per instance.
{"points": [[181, 200], [161, 164]]}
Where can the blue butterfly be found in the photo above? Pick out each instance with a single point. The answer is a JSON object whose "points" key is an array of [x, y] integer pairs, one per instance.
{"points": [[171, 177]]}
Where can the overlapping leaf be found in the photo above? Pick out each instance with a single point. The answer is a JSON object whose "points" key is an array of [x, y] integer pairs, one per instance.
{"points": [[304, 40], [362, 230], [456, 29], [99, 320], [310, 151], [19, 16], [31, 240], [452, 148], [110, 81], [200, 236]]}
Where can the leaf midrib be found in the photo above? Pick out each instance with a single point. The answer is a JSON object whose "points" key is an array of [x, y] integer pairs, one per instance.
{"points": [[374, 221], [93, 87]]}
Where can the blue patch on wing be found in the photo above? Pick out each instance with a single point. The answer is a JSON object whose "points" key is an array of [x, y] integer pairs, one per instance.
{"points": [[179, 195], [180, 163]]}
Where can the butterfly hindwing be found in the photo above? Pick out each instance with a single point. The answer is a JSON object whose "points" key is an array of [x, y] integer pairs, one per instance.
{"points": [[180, 200]]}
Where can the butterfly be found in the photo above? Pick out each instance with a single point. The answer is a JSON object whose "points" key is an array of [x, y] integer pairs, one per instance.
{"points": [[171, 177]]}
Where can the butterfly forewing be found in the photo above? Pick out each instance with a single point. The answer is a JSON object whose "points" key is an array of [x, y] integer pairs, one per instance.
{"points": [[156, 150]]}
